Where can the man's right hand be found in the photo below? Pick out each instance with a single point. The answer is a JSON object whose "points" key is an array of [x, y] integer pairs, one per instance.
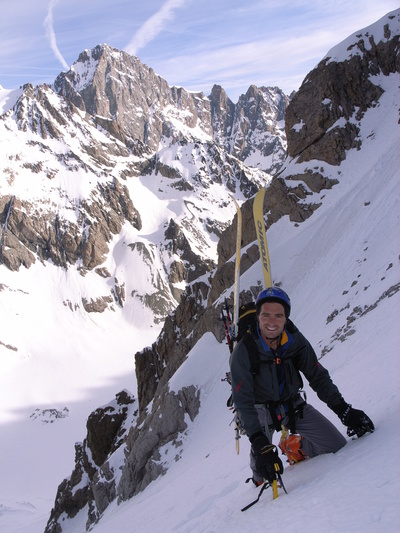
{"points": [[268, 463]]}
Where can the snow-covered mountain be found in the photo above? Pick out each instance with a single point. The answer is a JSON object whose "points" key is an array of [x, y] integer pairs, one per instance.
{"points": [[85, 159], [333, 233]]}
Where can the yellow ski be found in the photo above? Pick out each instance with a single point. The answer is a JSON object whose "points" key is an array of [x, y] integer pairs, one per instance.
{"points": [[237, 268], [258, 215], [274, 489]]}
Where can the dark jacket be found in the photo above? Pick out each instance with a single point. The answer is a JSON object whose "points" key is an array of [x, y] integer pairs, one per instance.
{"points": [[278, 380]]}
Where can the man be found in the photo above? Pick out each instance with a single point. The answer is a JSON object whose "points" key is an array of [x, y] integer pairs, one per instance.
{"points": [[266, 384]]}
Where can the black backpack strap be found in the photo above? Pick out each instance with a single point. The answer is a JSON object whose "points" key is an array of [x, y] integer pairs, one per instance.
{"points": [[275, 407], [274, 416], [252, 350], [290, 327]]}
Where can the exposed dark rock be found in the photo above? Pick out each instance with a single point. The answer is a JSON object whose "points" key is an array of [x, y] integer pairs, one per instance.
{"points": [[106, 430], [182, 329], [165, 423], [334, 91], [28, 232]]}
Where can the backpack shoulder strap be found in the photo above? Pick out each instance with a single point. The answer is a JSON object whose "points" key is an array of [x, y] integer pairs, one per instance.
{"points": [[252, 350], [291, 327]]}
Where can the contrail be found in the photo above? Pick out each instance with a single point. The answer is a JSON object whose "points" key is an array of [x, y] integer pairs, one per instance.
{"points": [[153, 26], [48, 24]]}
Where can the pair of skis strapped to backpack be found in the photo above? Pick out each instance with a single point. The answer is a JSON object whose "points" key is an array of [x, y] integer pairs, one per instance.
{"points": [[258, 216], [232, 332]]}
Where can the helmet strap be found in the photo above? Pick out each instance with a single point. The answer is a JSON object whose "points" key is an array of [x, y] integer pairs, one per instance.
{"points": [[273, 339]]}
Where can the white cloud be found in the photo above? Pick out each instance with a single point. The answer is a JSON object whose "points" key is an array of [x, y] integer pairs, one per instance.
{"points": [[281, 61], [153, 26], [48, 25]]}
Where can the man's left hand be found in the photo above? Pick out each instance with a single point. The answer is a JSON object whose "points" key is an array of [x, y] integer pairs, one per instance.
{"points": [[357, 422]]}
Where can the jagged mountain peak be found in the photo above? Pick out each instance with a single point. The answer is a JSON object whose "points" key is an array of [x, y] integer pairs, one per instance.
{"points": [[253, 129], [85, 68], [130, 100], [83, 71], [127, 98]]}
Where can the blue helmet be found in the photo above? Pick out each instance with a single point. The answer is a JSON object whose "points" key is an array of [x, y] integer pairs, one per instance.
{"points": [[274, 294]]}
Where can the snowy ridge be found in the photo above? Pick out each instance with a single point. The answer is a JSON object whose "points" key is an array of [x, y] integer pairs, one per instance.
{"points": [[382, 30], [84, 71]]}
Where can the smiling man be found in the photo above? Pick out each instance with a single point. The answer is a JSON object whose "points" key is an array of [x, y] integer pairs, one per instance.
{"points": [[266, 389]]}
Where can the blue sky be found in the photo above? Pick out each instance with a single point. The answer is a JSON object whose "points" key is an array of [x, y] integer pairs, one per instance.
{"points": [[191, 43]]}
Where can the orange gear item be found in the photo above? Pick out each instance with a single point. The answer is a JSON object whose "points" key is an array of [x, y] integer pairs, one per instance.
{"points": [[290, 445]]}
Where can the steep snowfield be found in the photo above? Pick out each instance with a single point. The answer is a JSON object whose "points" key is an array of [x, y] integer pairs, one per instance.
{"points": [[8, 97]]}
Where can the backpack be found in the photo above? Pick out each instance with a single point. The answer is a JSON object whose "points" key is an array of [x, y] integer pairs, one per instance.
{"points": [[247, 322], [247, 319], [247, 326]]}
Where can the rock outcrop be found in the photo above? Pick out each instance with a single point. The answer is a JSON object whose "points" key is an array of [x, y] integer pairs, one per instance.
{"points": [[47, 236], [115, 437], [106, 428], [321, 122]]}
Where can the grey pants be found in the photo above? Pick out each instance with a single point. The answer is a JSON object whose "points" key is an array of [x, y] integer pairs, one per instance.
{"points": [[319, 434]]}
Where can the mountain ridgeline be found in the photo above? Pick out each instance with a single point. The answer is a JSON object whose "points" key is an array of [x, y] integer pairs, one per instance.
{"points": [[110, 128], [107, 124]]}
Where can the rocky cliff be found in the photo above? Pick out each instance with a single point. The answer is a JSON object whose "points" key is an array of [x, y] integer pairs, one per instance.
{"points": [[138, 107], [339, 93]]}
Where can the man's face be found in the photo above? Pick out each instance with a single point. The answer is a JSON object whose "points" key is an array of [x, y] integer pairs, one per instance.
{"points": [[271, 320]]}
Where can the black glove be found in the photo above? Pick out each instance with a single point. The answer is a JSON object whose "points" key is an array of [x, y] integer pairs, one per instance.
{"points": [[268, 463], [357, 422]]}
